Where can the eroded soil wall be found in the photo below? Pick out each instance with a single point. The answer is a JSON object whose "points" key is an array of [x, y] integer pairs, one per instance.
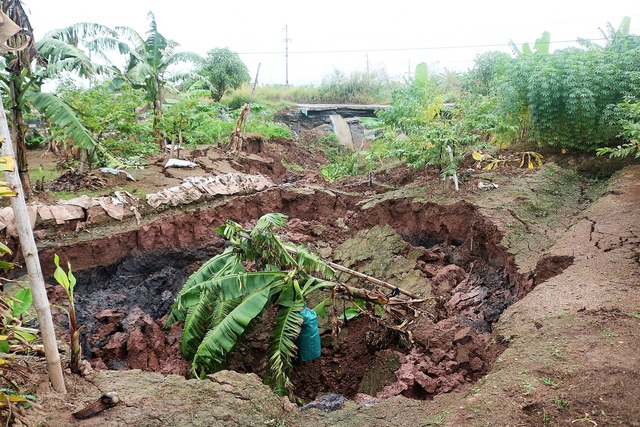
{"points": [[127, 282]]}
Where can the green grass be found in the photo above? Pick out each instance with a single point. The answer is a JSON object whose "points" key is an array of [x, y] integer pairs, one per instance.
{"points": [[437, 420], [68, 195]]}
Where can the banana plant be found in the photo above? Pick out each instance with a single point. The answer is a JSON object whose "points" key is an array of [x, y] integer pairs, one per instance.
{"points": [[7, 164], [68, 282], [222, 300]]}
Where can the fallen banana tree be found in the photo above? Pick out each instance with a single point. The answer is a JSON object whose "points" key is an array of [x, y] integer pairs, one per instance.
{"points": [[222, 300]]}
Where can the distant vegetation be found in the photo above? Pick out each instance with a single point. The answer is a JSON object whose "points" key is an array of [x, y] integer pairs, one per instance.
{"points": [[582, 98]]}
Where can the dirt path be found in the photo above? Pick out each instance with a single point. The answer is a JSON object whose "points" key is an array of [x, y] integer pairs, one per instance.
{"points": [[572, 341]]}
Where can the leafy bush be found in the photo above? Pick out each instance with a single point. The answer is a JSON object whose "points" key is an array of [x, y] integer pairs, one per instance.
{"points": [[13, 333], [342, 166], [570, 98], [417, 127], [631, 132], [237, 100], [196, 121]]}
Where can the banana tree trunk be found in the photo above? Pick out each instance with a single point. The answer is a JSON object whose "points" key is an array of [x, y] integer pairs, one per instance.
{"points": [[156, 124], [32, 261], [18, 129]]}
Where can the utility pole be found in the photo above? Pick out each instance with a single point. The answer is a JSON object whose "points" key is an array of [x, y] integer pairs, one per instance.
{"points": [[286, 53], [367, 63], [409, 70]]}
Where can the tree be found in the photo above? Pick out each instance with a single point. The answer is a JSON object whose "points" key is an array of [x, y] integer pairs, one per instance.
{"points": [[111, 115], [222, 70], [26, 74], [148, 63], [488, 67], [17, 64], [221, 300]]}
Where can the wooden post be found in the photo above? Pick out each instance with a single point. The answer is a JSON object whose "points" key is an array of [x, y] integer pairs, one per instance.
{"points": [[255, 83], [454, 173], [32, 261]]}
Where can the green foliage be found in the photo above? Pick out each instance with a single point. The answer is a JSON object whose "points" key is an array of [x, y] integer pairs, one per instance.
{"points": [[149, 61], [68, 282], [282, 95], [418, 127], [237, 100], [449, 84], [611, 36], [487, 69], [113, 117], [221, 301], [197, 122], [12, 333], [269, 129], [343, 162], [4, 250], [222, 70], [570, 98], [341, 166], [12, 308], [631, 132]]}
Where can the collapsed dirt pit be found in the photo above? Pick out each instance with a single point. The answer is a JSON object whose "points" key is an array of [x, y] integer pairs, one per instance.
{"points": [[450, 255]]}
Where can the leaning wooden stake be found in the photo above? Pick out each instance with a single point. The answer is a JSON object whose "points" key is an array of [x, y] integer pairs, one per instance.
{"points": [[344, 269], [255, 83], [358, 274], [370, 279], [32, 261]]}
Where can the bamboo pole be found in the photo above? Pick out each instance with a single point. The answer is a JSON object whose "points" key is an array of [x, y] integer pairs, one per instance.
{"points": [[32, 261], [357, 274], [369, 278]]}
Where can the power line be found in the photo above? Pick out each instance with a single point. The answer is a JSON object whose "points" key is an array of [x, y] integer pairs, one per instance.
{"points": [[404, 49]]}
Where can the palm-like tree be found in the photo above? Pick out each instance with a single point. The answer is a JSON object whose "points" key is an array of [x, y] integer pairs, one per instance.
{"points": [[611, 36], [17, 64], [61, 51], [148, 63], [29, 69], [221, 300]]}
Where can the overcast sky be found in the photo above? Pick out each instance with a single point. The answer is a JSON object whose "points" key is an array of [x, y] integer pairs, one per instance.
{"points": [[346, 35]]}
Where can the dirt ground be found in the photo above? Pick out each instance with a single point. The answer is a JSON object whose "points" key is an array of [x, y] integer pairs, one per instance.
{"points": [[564, 242]]}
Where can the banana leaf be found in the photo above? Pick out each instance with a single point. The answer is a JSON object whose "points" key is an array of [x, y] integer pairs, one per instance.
{"points": [[223, 337]]}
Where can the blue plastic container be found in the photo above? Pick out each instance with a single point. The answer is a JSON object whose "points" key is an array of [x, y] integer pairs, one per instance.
{"points": [[308, 342]]}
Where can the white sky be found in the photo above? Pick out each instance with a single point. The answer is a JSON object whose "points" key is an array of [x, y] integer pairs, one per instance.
{"points": [[347, 35]]}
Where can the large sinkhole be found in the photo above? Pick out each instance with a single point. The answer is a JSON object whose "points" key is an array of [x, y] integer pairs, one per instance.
{"points": [[450, 255]]}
